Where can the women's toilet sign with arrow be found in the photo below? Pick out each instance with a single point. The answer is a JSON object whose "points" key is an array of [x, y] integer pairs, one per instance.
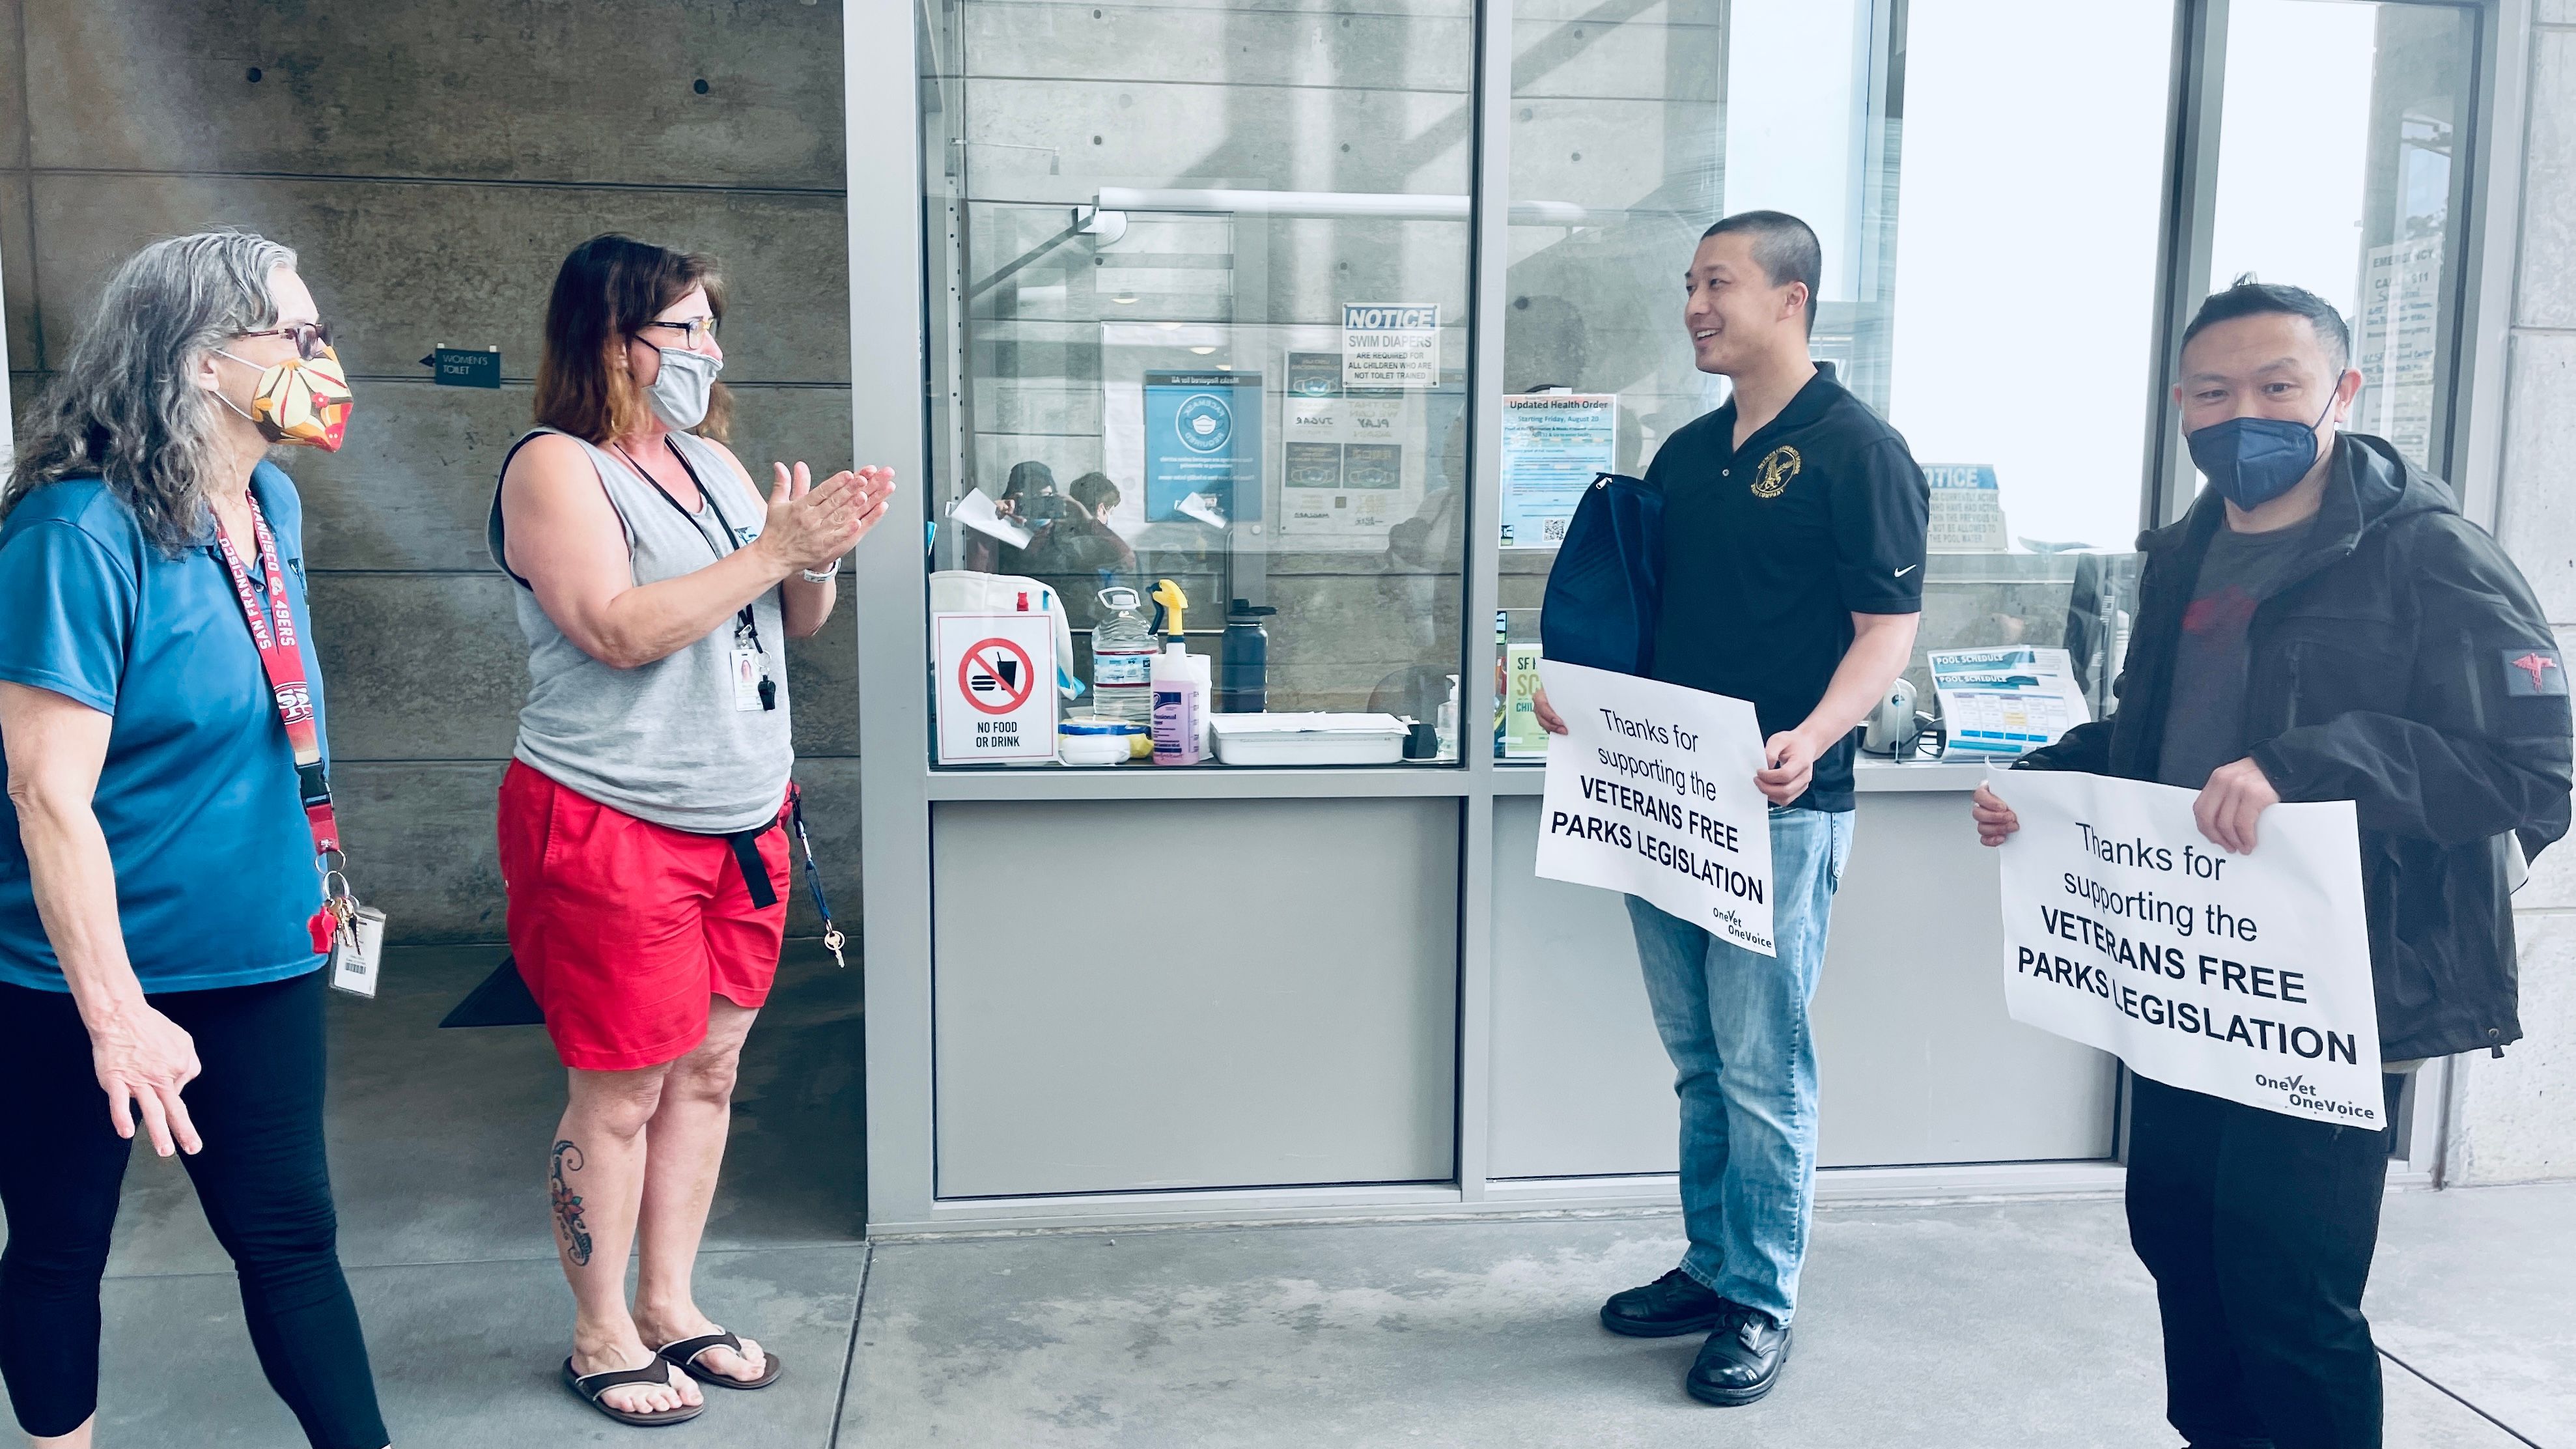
{"points": [[464, 366]]}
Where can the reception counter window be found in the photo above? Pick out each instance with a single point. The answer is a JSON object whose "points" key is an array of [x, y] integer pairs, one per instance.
{"points": [[1202, 305], [1206, 321], [1205, 313]]}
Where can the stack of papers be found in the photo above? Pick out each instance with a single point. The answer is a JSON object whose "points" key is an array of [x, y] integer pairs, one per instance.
{"points": [[2005, 701]]}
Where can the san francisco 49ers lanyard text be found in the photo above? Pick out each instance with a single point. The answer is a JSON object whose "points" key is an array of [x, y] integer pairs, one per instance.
{"points": [[284, 664]]}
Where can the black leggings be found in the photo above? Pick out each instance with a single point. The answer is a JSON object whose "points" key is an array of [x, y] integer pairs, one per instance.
{"points": [[261, 1180]]}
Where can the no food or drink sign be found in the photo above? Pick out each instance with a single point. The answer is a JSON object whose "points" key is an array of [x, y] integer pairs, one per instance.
{"points": [[995, 676]]}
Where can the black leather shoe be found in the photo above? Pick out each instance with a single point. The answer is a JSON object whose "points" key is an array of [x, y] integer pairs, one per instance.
{"points": [[1741, 1360], [1676, 1303]]}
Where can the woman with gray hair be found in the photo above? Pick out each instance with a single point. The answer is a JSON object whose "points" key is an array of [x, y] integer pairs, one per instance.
{"points": [[162, 929]]}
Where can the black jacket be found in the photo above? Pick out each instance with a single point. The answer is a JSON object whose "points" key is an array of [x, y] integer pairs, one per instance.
{"points": [[2382, 670]]}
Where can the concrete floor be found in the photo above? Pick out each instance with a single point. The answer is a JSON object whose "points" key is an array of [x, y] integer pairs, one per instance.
{"points": [[438, 1143], [2017, 1323], [2003, 1324]]}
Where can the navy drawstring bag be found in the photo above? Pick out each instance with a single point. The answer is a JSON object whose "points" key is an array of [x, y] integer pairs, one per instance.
{"points": [[1607, 586]]}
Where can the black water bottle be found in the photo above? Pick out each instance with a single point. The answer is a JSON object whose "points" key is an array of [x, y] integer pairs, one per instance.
{"points": [[1243, 679]]}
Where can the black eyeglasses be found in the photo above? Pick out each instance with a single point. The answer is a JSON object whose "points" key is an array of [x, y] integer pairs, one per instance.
{"points": [[310, 337]]}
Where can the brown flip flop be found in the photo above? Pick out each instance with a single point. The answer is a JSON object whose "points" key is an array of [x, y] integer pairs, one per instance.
{"points": [[684, 1355], [591, 1386]]}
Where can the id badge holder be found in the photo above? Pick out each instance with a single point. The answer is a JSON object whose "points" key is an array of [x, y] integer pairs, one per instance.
{"points": [[746, 678], [357, 939], [356, 952]]}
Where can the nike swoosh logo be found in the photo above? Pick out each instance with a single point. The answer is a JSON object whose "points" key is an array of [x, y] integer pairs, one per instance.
{"points": [[1909, 568]]}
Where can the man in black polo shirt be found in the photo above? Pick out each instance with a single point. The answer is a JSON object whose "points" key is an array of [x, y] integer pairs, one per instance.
{"points": [[1793, 540]]}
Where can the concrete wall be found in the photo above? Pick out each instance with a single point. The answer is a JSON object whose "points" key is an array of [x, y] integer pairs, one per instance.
{"points": [[2515, 1116], [432, 162]]}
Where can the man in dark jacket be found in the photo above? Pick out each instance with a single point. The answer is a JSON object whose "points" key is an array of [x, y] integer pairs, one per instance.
{"points": [[2322, 625]]}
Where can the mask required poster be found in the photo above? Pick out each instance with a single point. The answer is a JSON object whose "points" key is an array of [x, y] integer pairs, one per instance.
{"points": [[2245, 977], [1203, 447], [1650, 792]]}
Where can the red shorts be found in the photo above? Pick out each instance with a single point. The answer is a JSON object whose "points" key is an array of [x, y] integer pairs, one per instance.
{"points": [[625, 930]]}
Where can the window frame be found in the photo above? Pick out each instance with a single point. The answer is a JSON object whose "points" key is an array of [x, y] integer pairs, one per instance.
{"points": [[2477, 280]]}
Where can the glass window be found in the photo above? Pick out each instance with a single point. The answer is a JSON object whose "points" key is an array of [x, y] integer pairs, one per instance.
{"points": [[1975, 232], [2027, 234], [1200, 313], [2335, 173]]}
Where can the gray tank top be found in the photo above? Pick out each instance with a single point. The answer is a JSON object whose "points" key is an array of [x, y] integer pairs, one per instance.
{"points": [[664, 742]]}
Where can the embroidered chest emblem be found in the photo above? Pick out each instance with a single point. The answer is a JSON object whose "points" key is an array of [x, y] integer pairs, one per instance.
{"points": [[1771, 476]]}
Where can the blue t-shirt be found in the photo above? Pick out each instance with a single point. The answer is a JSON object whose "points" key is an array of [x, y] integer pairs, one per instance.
{"points": [[214, 861]]}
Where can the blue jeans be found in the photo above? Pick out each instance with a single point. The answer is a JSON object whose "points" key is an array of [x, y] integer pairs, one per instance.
{"points": [[1735, 1024]]}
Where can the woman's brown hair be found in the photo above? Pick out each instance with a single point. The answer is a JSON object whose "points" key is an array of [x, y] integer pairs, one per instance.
{"points": [[605, 292]]}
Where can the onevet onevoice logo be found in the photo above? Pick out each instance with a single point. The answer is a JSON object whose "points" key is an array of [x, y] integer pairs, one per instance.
{"points": [[1732, 923], [2303, 1095]]}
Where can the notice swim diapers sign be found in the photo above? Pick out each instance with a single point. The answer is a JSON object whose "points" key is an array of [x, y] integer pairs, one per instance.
{"points": [[1390, 345], [1650, 792], [2245, 977]]}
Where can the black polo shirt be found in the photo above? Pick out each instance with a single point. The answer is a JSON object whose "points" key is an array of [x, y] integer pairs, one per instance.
{"points": [[1769, 549]]}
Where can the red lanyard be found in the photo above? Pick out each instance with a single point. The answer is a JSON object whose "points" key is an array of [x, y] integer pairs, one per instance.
{"points": [[284, 663]]}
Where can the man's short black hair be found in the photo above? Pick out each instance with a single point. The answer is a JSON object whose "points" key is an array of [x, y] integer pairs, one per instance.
{"points": [[2246, 297], [1784, 247]]}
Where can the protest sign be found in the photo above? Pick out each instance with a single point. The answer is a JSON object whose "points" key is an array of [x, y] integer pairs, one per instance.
{"points": [[1651, 792], [2241, 976]]}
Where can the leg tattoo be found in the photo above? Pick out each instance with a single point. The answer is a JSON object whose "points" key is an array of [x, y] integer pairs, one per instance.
{"points": [[569, 1227]]}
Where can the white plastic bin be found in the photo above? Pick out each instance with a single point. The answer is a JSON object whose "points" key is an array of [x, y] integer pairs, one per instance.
{"points": [[1308, 739]]}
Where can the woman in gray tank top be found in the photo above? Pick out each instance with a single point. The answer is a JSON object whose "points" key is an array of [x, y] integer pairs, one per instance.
{"points": [[641, 818]]}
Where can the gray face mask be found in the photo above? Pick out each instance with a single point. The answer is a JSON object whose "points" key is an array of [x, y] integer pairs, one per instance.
{"points": [[679, 393]]}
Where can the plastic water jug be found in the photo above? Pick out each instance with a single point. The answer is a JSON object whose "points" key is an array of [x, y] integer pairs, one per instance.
{"points": [[1122, 659]]}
